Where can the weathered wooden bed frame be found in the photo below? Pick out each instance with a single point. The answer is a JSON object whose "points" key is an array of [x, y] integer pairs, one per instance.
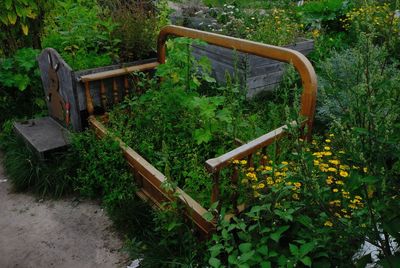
{"points": [[149, 179]]}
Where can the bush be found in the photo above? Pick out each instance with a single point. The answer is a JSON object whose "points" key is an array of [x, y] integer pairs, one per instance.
{"points": [[21, 92], [76, 31], [139, 23], [359, 98]]}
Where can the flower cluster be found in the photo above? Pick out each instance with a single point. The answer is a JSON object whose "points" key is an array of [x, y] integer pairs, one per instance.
{"points": [[329, 171], [380, 17]]}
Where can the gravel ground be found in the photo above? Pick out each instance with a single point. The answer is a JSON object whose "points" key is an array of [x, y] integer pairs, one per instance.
{"points": [[54, 233]]}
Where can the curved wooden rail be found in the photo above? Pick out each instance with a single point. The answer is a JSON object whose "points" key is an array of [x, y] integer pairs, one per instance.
{"points": [[299, 61]]}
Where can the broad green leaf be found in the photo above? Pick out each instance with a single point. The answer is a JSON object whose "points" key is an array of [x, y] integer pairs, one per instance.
{"points": [[277, 235], [263, 250], [245, 247], [208, 216], [246, 256], [306, 248], [265, 264], [294, 249], [306, 261], [214, 262]]}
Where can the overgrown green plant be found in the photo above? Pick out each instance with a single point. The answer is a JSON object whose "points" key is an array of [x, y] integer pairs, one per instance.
{"points": [[103, 170], [378, 20], [26, 171], [324, 14], [76, 31], [139, 23], [21, 23], [179, 127], [365, 119], [21, 92]]}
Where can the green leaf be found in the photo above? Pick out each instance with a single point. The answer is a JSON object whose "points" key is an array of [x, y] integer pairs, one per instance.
{"points": [[8, 4], [245, 247], [246, 256], [294, 249], [214, 262], [265, 264], [208, 216], [263, 250], [202, 135], [277, 235], [306, 261], [306, 248]]}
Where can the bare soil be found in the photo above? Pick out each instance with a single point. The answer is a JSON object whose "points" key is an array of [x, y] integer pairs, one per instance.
{"points": [[55, 233]]}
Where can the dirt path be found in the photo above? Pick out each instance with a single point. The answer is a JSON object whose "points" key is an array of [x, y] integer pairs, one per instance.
{"points": [[60, 233]]}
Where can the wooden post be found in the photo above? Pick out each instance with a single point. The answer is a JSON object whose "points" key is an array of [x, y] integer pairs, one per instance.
{"points": [[103, 95], [115, 91], [89, 100]]}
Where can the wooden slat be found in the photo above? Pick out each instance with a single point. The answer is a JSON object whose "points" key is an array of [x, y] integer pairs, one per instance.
{"points": [[115, 91], [118, 72], [89, 100], [245, 150], [126, 85], [103, 94]]}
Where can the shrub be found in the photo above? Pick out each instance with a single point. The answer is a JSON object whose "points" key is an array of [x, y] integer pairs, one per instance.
{"points": [[21, 92], [139, 23], [76, 31], [21, 24], [359, 97]]}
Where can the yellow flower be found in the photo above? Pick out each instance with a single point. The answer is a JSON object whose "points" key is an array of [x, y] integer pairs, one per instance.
{"points": [[268, 168], [235, 161], [331, 135], [329, 180], [335, 190], [358, 197], [335, 162], [331, 169], [316, 162], [315, 33], [327, 140], [243, 162], [297, 184], [327, 148], [328, 223], [344, 174], [284, 163], [365, 170], [327, 153], [295, 196], [250, 169]]}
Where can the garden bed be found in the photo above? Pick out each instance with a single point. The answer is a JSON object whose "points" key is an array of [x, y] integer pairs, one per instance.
{"points": [[148, 177]]}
